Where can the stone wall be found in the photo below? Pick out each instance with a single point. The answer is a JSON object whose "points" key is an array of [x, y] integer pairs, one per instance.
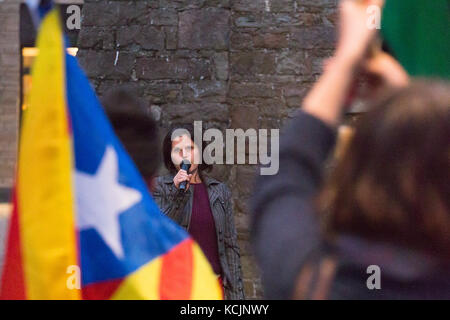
{"points": [[9, 89], [230, 63]]}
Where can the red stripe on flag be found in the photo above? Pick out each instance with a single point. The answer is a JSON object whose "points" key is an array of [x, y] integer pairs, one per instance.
{"points": [[100, 290], [176, 272], [13, 282]]}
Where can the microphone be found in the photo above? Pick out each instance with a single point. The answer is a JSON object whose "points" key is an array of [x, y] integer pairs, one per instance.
{"points": [[185, 165]]}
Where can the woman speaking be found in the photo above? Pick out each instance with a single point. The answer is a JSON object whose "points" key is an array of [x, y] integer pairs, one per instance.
{"points": [[201, 205]]}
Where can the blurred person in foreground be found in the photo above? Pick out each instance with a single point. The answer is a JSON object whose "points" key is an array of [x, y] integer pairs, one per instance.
{"points": [[136, 129], [386, 202], [204, 208]]}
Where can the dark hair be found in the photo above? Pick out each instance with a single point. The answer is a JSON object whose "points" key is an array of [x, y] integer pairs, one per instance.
{"points": [[136, 128], [392, 182], [167, 148]]}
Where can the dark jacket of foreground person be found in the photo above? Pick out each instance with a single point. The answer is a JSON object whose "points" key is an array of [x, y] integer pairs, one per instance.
{"points": [[288, 242], [177, 205]]}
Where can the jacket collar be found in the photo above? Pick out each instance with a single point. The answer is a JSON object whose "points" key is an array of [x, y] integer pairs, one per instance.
{"points": [[210, 183]]}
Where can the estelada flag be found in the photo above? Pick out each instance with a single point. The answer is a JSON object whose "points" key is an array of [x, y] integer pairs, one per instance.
{"points": [[80, 205]]}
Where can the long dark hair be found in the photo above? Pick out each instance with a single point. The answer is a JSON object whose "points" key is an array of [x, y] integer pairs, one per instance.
{"points": [[392, 182], [167, 148]]}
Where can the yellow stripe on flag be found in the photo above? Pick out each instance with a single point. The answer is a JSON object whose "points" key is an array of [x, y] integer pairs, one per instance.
{"points": [[205, 285], [143, 284], [45, 186]]}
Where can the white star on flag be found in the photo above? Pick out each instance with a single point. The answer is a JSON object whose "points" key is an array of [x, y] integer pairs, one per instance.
{"points": [[101, 199]]}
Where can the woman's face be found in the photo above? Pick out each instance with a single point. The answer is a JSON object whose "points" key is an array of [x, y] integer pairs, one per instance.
{"points": [[183, 148]]}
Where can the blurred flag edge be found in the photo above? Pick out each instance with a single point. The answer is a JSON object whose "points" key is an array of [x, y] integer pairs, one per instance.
{"points": [[66, 141]]}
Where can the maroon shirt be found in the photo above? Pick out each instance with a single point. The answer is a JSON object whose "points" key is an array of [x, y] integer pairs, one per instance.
{"points": [[203, 228]]}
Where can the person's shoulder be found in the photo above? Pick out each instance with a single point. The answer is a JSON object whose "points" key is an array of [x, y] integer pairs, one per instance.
{"points": [[222, 186], [165, 179]]}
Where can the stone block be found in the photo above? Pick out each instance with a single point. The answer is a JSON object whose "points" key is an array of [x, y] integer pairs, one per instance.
{"points": [[96, 38], [313, 38], [147, 37], [160, 68], [204, 29], [221, 65], [271, 40], [171, 34], [107, 64], [246, 90], [163, 17], [206, 112], [293, 62], [244, 117], [203, 90], [254, 62]]}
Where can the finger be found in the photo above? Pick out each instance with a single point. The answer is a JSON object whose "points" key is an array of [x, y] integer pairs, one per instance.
{"points": [[182, 173]]}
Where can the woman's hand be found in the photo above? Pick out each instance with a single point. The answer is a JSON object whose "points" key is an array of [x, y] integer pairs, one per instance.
{"points": [[181, 176], [327, 98], [355, 35], [389, 72], [379, 73]]}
